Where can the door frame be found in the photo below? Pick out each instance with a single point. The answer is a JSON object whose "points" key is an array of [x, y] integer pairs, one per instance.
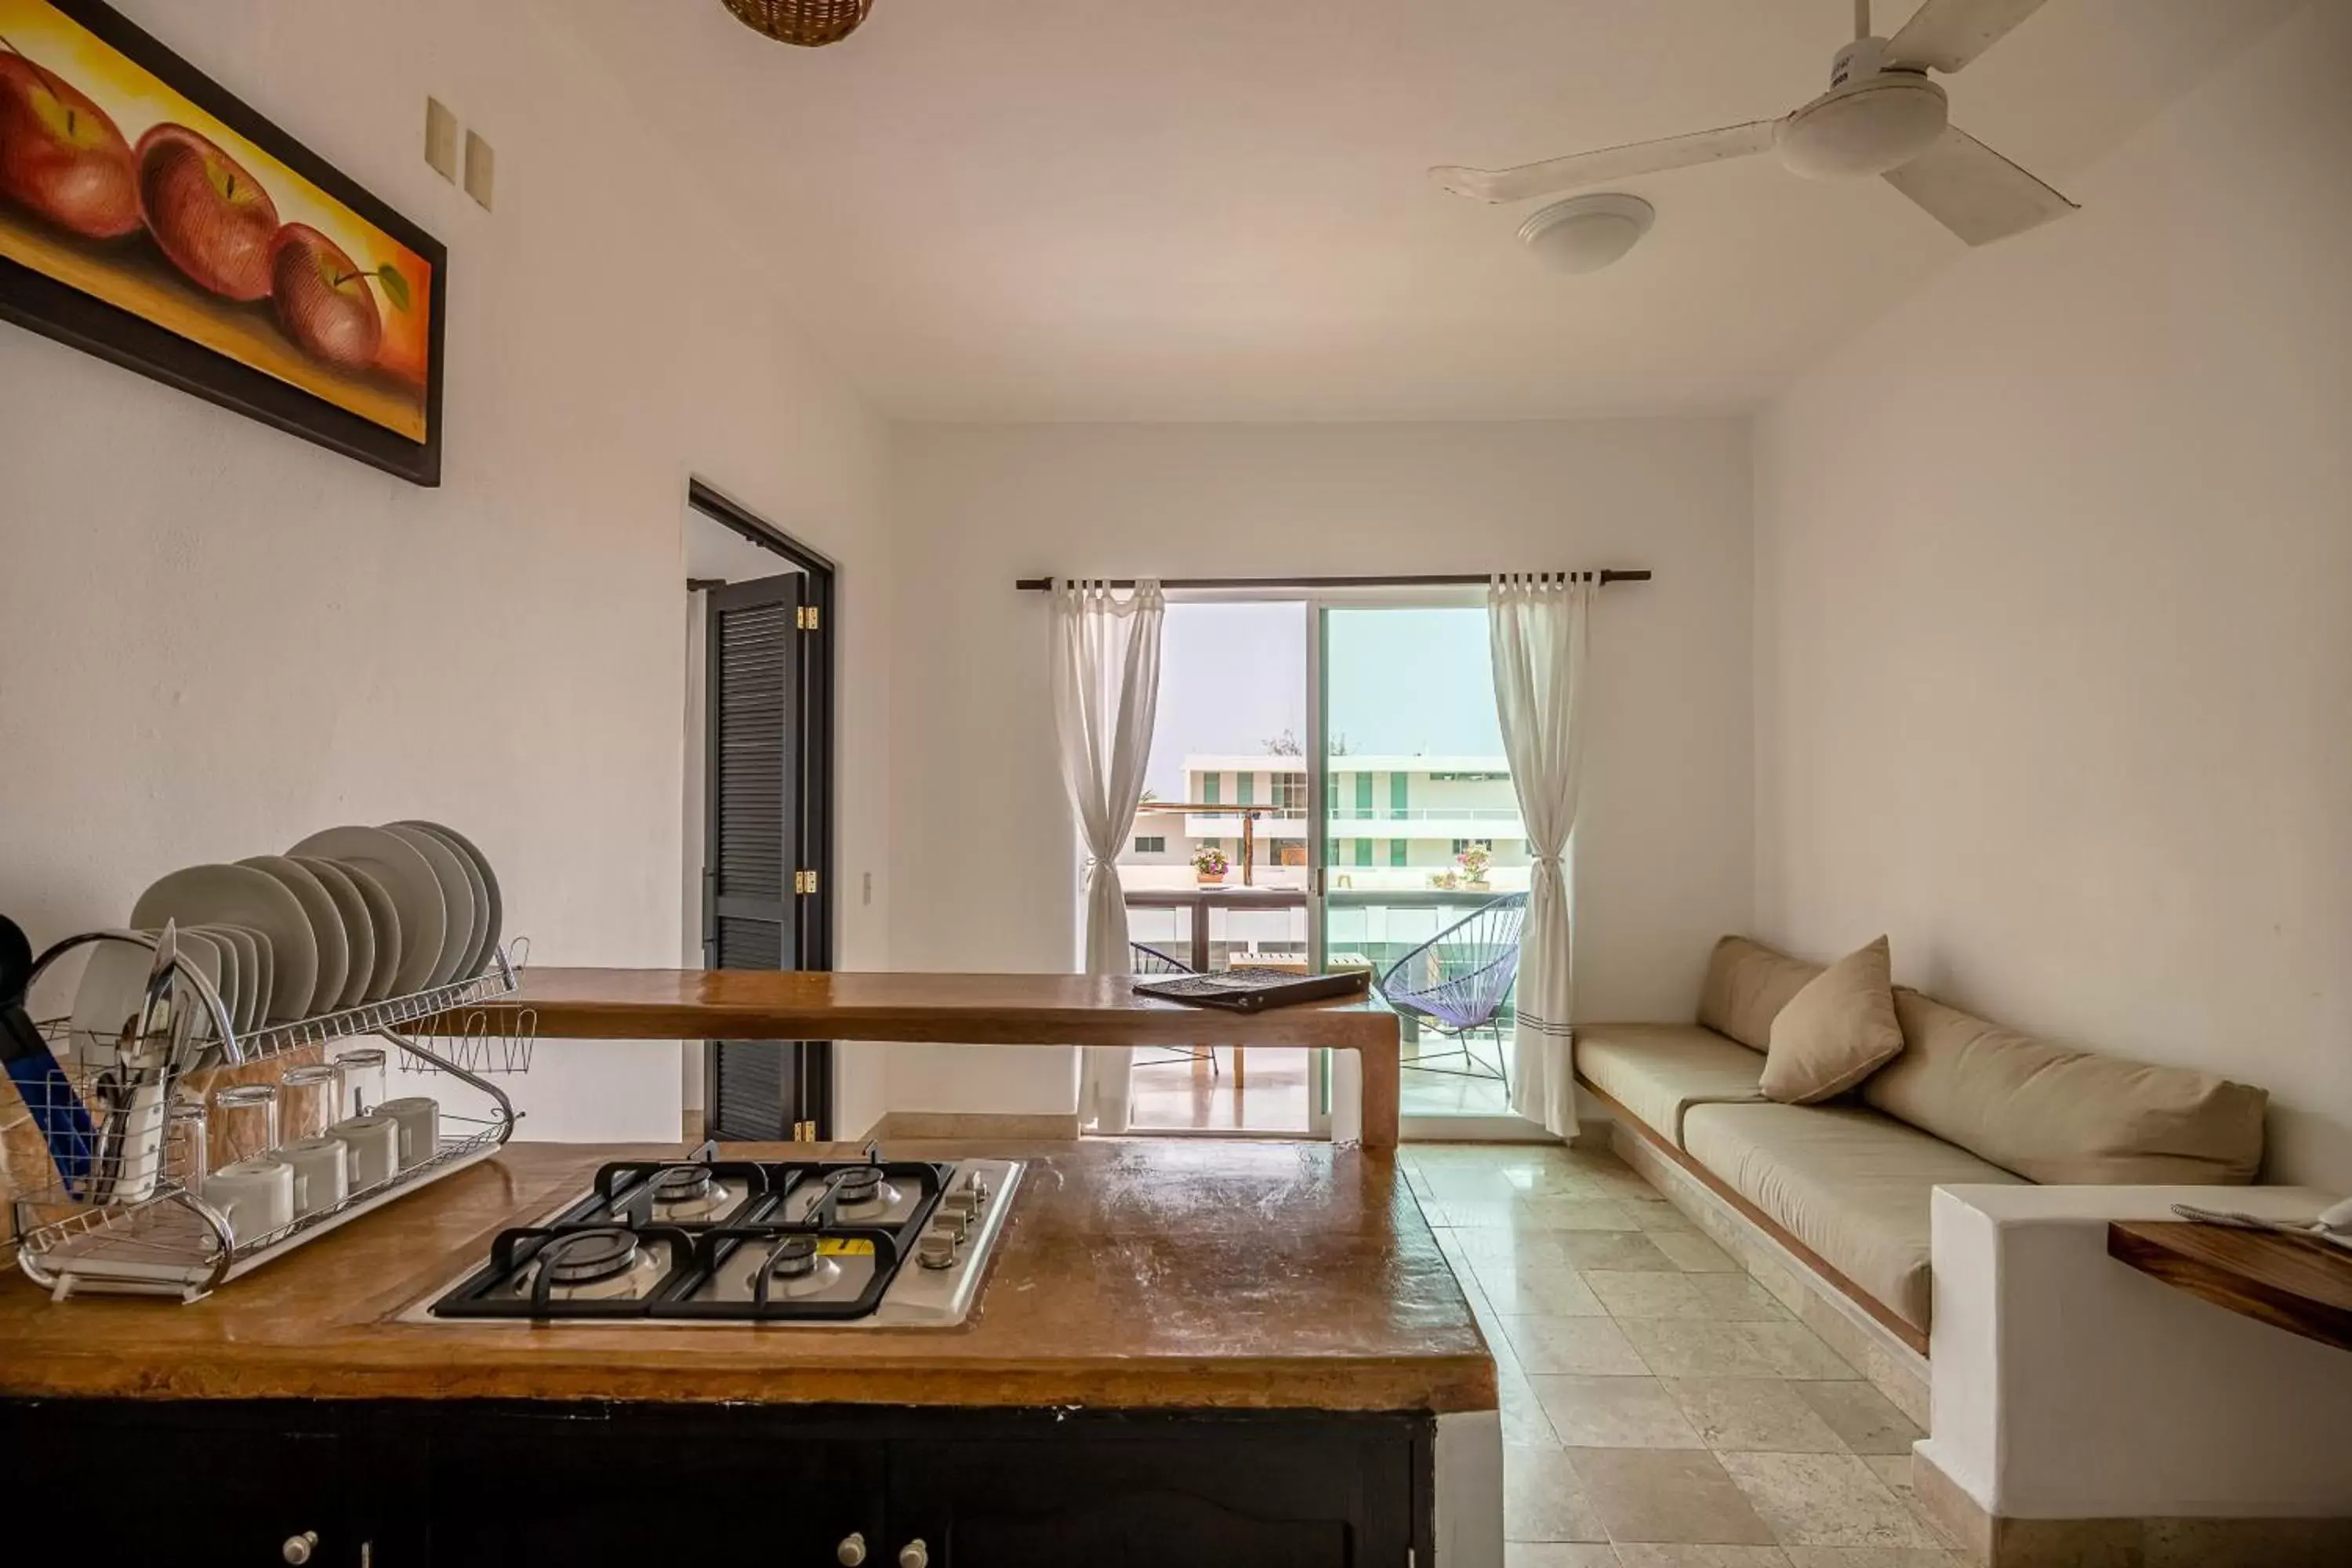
{"points": [[814, 847]]}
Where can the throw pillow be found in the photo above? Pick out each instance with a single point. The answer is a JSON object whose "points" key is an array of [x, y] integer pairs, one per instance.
{"points": [[1835, 1032]]}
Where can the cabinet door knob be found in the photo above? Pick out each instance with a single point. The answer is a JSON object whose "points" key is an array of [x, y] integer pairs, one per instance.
{"points": [[298, 1548], [914, 1554], [851, 1551]]}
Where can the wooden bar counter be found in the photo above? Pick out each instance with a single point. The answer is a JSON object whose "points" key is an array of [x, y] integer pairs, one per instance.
{"points": [[965, 1009], [1145, 1274]]}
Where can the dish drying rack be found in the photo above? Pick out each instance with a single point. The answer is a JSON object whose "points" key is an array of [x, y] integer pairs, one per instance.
{"points": [[165, 1239]]}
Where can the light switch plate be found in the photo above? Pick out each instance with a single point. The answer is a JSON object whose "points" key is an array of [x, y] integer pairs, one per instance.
{"points": [[481, 168], [441, 139]]}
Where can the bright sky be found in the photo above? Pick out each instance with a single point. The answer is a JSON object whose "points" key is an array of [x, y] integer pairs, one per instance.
{"points": [[1406, 682]]}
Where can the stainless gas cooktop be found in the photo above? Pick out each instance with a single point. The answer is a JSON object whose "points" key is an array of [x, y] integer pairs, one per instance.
{"points": [[869, 1243]]}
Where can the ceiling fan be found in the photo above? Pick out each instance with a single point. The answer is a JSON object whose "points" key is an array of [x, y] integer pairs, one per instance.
{"points": [[1881, 115]]}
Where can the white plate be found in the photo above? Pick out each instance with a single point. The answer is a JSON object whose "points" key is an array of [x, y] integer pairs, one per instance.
{"points": [[113, 985], [415, 893], [461, 890], [240, 970], [488, 909], [239, 895], [326, 928], [385, 919], [359, 926]]}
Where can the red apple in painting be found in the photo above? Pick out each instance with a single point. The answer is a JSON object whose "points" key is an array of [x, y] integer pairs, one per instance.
{"points": [[322, 299], [60, 156], [212, 218]]}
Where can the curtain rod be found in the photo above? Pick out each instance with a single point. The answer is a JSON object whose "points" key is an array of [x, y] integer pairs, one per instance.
{"points": [[1439, 580]]}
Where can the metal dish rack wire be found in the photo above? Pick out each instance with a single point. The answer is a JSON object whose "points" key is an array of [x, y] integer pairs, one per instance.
{"points": [[163, 1239]]}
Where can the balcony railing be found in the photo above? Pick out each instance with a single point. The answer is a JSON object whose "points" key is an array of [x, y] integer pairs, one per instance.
{"points": [[1268, 925]]}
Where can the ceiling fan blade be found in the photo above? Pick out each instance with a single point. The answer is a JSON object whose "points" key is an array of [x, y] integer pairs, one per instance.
{"points": [[1974, 191], [1609, 163], [1945, 34]]}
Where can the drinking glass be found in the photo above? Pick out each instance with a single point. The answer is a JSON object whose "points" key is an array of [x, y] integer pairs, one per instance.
{"points": [[187, 1155], [312, 1101], [247, 1119], [363, 1077]]}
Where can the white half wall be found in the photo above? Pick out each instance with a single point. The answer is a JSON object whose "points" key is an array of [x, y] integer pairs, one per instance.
{"points": [[216, 639], [2054, 669], [1663, 851], [2070, 1385]]}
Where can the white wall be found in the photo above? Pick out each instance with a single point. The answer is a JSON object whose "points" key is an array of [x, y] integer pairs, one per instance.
{"points": [[1664, 848], [2054, 669], [214, 638]]}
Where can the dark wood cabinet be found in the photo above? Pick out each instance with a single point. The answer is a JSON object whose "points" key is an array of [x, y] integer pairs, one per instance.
{"points": [[136, 1482], [463, 1484], [1273, 1492]]}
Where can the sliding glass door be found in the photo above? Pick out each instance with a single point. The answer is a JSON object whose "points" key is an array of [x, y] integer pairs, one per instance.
{"points": [[1422, 858], [1216, 868], [1328, 790]]}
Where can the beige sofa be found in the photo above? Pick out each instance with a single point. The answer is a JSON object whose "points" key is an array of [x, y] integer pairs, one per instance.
{"points": [[1845, 1185]]}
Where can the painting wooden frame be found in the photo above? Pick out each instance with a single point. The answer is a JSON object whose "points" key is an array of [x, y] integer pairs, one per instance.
{"points": [[45, 303]]}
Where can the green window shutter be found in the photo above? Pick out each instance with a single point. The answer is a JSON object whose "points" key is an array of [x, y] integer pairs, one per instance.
{"points": [[1396, 851], [1397, 795], [1208, 792], [1363, 851], [1331, 792], [1364, 793], [1244, 789], [1331, 852]]}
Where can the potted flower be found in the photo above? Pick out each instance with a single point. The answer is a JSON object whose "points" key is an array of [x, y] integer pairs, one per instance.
{"points": [[1473, 862], [1210, 865]]}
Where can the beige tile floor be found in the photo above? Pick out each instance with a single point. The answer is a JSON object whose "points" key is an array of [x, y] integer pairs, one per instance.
{"points": [[1660, 1408]]}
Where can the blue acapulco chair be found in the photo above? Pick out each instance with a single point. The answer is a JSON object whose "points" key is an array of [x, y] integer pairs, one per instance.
{"points": [[1151, 961], [1457, 982]]}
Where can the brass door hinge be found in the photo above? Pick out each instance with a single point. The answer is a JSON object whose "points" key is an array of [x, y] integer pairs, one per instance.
{"points": [[804, 1132], [808, 618], [803, 881]]}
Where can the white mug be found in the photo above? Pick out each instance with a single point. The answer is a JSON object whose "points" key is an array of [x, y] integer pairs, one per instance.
{"points": [[419, 1117], [373, 1142], [255, 1196], [321, 1173]]}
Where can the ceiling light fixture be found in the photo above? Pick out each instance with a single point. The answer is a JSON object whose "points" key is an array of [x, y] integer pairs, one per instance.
{"points": [[1585, 233], [810, 23]]}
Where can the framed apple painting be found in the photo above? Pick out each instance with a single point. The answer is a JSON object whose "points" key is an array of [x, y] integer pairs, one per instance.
{"points": [[150, 217]]}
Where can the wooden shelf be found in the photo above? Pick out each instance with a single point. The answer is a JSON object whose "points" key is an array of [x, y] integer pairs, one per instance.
{"points": [[955, 1009], [2303, 1286]]}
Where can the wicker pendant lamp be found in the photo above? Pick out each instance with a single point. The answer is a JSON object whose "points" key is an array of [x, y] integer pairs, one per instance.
{"points": [[808, 22]]}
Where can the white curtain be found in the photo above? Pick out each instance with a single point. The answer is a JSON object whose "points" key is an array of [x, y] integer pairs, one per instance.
{"points": [[1537, 625], [1106, 695]]}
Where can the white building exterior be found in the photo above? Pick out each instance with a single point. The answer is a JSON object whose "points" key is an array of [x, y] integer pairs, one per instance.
{"points": [[1395, 822]]}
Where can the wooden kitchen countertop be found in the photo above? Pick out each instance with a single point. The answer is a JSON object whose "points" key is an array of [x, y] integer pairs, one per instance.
{"points": [[962, 1009], [1171, 1273]]}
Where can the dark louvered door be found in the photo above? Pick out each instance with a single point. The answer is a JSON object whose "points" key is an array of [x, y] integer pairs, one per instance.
{"points": [[751, 839]]}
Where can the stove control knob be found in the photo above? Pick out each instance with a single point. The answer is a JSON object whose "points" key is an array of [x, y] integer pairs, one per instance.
{"points": [[962, 1202], [914, 1554], [851, 1551], [298, 1548], [936, 1250]]}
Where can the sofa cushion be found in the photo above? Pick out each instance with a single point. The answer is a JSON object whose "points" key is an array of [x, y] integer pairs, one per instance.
{"points": [[1656, 1071], [1835, 1032], [2054, 1114], [1747, 984], [1850, 1183]]}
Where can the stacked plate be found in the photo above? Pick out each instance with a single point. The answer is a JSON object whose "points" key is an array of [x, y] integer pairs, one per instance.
{"points": [[348, 916]]}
